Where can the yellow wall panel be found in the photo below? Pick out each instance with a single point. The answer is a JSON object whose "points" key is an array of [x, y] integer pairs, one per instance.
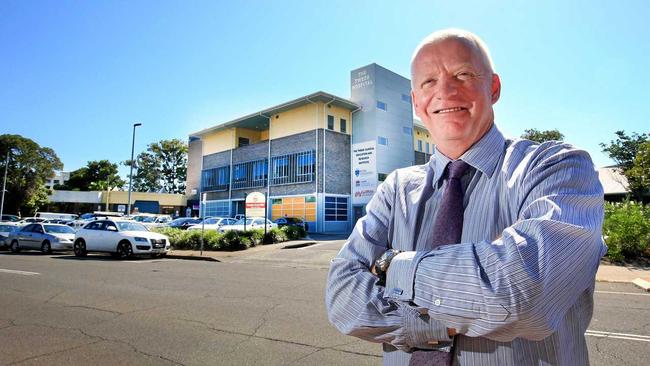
{"points": [[294, 121], [338, 113], [252, 135], [218, 141]]}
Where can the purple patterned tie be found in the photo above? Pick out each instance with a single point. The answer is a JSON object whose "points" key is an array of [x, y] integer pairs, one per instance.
{"points": [[447, 229]]}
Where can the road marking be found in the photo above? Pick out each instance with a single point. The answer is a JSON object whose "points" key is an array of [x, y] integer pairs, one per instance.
{"points": [[632, 337], [621, 293], [24, 273]]}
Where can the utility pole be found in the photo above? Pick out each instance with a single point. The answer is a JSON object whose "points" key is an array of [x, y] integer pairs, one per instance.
{"points": [[128, 209]]}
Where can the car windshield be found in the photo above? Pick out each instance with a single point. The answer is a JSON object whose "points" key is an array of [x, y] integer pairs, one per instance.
{"points": [[211, 221], [148, 219], [131, 226], [7, 228], [56, 229], [241, 222]]}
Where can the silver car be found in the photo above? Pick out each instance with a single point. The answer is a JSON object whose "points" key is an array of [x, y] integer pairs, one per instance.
{"points": [[5, 229], [43, 237]]}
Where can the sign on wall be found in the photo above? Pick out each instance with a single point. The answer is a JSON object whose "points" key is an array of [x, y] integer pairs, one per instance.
{"points": [[255, 204], [364, 171]]}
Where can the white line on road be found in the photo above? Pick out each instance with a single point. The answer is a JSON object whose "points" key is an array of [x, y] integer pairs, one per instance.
{"points": [[24, 273], [621, 293], [632, 337]]}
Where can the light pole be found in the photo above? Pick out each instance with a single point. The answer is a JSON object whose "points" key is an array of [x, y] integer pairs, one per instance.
{"points": [[4, 184], [128, 209]]}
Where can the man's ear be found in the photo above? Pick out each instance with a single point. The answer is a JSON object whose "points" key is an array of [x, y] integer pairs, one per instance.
{"points": [[413, 100], [496, 88]]}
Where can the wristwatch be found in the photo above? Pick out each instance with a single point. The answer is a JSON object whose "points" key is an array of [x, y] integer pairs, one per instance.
{"points": [[382, 263]]}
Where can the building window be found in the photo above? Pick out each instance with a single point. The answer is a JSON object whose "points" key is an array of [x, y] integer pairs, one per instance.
{"points": [[259, 170], [381, 176], [336, 209], [239, 173], [330, 122], [215, 179], [249, 174], [407, 130], [305, 163], [281, 167], [344, 125], [406, 98], [382, 140], [216, 208], [381, 105], [427, 148], [243, 141], [419, 145]]}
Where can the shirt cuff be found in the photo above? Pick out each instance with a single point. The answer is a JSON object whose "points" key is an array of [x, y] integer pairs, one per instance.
{"points": [[401, 276], [422, 331]]}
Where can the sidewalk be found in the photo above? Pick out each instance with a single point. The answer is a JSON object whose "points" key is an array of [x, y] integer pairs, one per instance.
{"points": [[219, 256], [639, 275]]}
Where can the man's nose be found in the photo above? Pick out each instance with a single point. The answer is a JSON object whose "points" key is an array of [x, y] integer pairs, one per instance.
{"points": [[446, 87]]}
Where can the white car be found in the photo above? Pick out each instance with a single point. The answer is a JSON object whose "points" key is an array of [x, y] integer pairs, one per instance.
{"points": [[213, 223], [251, 224], [151, 221], [121, 238]]}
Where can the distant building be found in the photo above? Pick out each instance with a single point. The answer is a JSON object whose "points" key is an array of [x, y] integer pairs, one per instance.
{"points": [[89, 201], [60, 177], [319, 157]]}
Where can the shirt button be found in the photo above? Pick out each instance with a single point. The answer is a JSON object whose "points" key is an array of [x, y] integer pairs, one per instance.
{"points": [[437, 302]]}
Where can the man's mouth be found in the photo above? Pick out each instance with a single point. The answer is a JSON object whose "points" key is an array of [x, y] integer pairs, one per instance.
{"points": [[450, 110]]}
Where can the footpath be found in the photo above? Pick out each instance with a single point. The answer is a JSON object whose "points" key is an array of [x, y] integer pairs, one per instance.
{"points": [[637, 274]]}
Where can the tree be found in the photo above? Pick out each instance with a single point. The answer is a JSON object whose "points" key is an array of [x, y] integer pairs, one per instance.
{"points": [[163, 167], [542, 136], [97, 175], [639, 174], [624, 151], [29, 166]]}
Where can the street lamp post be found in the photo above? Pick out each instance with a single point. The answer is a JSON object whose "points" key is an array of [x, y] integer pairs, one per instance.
{"points": [[128, 209], [4, 185]]}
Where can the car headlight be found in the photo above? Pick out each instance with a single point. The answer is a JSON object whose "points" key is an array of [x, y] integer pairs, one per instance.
{"points": [[139, 238]]}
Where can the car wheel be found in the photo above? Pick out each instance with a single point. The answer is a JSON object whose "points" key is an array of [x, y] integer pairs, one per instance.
{"points": [[80, 248], [46, 247], [124, 249], [15, 247]]}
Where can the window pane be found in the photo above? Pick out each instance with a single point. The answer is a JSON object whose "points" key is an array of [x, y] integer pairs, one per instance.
{"points": [[330, 122], [381, 105], [344, 125]]}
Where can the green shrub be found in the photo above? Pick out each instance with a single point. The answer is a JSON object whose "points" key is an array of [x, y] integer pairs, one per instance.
{"points": [[234, 240], [626, 230], [294, 232], [275, 235]]}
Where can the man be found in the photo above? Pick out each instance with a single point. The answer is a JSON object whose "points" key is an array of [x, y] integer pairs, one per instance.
{"points": [[488, 252]]}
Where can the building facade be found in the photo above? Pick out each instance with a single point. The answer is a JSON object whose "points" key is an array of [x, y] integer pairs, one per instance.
{"points": [[319, 157]]}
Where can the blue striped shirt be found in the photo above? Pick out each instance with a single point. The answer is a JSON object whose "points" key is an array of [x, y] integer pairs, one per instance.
{"points": [[518, 288]]}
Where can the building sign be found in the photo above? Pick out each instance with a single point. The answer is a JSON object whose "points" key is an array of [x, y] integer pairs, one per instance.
{"points": [[255, 204], [361, 80], [364, 172]]}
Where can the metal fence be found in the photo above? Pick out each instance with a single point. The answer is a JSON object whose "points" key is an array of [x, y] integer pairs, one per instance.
{"points": [[291, 168]]}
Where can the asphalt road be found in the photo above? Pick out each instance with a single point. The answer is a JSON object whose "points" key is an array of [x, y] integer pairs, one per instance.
{"points": [[263, 309]]}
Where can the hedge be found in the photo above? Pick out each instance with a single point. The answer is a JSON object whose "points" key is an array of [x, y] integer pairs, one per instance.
{"points": [[626, 230], [230, 240]]}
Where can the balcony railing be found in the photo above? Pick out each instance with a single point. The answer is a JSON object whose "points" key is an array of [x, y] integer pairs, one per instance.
{"points": [[291, 168]]}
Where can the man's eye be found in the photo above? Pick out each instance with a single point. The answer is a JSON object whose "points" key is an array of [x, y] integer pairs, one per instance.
{"points": [[428, 83], [465, 75]]}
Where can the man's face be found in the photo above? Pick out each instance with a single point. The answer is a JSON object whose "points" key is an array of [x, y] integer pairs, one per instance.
{"points": [[453, 93]]}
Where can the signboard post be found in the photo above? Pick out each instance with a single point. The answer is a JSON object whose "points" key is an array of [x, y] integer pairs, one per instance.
{"points": [[364, 172], [203, 198], [256, 206]]}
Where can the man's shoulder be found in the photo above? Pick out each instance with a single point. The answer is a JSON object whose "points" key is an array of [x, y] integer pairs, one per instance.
{"points": [[413, 174], [522, 151]]}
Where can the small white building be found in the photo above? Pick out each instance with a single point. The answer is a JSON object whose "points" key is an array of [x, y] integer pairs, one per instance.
{"points": [[60, 177]]}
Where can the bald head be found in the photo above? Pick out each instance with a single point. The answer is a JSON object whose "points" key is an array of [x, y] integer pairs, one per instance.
{"points": [[458, 34]]}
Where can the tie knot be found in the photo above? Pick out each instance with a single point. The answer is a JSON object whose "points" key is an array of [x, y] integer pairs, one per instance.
{"points": [[457, 168]]}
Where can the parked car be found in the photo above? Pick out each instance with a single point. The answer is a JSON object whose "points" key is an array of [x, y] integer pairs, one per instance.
{"points": [[184, 222], [9, 218], [122, 238], [150, 220], [291, 221], [213, 223], [42, 236], [5, 229], [251, 224]]}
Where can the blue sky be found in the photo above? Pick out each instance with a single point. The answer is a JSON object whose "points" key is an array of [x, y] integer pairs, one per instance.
{"points": [[75, 75]]}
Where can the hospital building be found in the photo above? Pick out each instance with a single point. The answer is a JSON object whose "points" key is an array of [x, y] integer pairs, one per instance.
{"points": [[319, 157]]}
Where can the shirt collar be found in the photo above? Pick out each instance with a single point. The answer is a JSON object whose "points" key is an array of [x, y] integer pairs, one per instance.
{"points": [[483, 155]]}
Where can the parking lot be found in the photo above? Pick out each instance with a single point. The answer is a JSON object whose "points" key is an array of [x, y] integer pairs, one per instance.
{"points": [[265, 308]]}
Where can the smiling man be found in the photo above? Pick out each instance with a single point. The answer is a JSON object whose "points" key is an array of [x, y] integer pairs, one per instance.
{"points": [[485, 255]]}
